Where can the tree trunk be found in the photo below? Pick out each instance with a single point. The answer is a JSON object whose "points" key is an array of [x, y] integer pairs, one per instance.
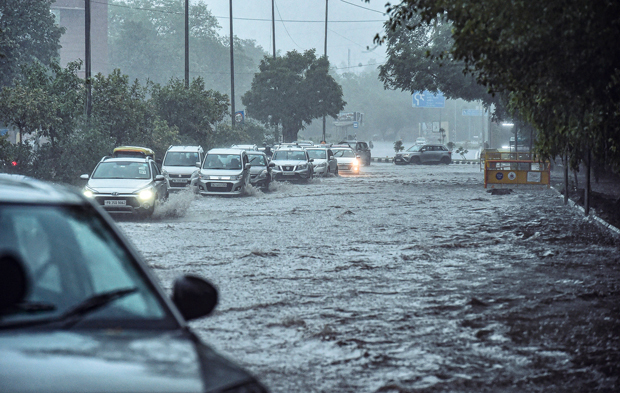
{"points": [[565, 162], [576, 179], [289, 132]]}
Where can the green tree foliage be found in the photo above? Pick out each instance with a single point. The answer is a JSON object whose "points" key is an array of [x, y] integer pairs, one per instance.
{"points": [[192, 110], [398, 146], [293, 90], [147, 41], [27, 33], [552, 58]]}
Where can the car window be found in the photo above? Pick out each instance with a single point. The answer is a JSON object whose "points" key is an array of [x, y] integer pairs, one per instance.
{"points": [[174, 158], [293, 155], [415, 148], [317, 154], [256, 159], [70, 256], [122, 170], [344, 153], [155, 169], [222, 161]]}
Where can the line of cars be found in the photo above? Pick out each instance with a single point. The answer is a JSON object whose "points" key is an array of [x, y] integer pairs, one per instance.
{"points": [[130, 182]]}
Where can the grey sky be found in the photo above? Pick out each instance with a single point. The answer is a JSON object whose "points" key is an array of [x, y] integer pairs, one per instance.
{"points": [[300, 26]]}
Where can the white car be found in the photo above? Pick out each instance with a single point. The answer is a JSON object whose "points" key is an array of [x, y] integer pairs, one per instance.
{"points": [[179, 164], [292, 163], [223, 171], [348, 161], [324, 160], [126, 185]]}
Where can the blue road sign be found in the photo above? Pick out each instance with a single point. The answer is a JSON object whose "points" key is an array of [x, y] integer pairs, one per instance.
{"points": [[473, 112], [356, 124], [426, 99]]}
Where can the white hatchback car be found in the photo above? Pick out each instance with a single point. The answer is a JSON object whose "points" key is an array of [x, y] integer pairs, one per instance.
{"points": [[224, 171], [324, 160], [348, 161], [179, 164]]}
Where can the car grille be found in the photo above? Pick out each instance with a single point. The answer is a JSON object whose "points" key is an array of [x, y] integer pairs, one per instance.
{"points": [[288, 168], [184, 183], [228, 188]]}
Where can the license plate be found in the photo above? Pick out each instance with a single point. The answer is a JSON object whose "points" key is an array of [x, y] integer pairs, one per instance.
{"points": [[288, 173], [223, 185], [114, 202], [178, 180]]}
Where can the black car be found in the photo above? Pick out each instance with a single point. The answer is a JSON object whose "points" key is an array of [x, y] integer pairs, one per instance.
{"points": [[361, 149], [81, 312]]}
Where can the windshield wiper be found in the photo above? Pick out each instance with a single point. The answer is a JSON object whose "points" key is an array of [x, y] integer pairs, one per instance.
{"points": [[77, 312]]}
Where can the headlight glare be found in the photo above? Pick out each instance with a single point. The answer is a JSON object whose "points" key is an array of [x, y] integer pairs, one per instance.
{"points": [[146, 194]]}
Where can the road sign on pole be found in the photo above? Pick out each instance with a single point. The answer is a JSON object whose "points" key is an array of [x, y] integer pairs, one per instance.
{"points": [[356, 124], [473, 112], [426, 99]]}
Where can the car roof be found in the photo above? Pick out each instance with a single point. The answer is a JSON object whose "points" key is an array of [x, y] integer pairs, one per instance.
{"points": [[126, 159], [185, 148], [225, 151], [23, 189]]}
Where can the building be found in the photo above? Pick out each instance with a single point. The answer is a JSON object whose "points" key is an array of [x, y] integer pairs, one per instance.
{"points": [[70, 15]]}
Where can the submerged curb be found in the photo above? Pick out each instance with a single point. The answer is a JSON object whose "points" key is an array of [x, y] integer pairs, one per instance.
{"points": [[457, 162], [615, 231]]}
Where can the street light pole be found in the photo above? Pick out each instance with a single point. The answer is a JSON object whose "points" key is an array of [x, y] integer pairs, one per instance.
{"points": [[325, 54], [87, 60], [186, 43], [232, 68], [273, 26]]}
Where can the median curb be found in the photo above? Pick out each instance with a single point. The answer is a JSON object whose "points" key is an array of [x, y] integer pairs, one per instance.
{"points": [[592, 216], [457, 162]]}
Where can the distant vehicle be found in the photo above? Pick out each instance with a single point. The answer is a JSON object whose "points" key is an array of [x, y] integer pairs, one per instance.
{"points": [[261, 170], [179, 164], [245, 147], [292, 163], [348, 161], [424, 154], [133, 151], [127, 185], [85, 313], [361, 149], [324, 160], [420, 141], [223, 171]]}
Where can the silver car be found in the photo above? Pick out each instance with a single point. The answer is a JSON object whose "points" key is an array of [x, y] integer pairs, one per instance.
{"points": [[127, 185], [424, 154], [260, 172], [224, 172], [324, 160], [292, 163]]}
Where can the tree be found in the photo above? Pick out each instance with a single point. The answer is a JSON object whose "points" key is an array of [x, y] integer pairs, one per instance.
{"points": [[192, 110], [293, 90], [27, 33]]}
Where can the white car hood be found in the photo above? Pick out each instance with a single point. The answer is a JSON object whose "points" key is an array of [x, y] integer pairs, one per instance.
{"points": [[346, 160], [221, 172], [125, 186]]}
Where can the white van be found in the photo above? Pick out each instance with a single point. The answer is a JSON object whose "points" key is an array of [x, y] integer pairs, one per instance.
{"points": [[179, 163]]}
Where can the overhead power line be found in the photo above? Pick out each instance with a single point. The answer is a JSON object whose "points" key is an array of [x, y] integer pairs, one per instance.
{"points": [[241, 18], [362, 7]]}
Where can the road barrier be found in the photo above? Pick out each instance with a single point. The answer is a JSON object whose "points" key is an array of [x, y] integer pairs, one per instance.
{"points": [[503, 168], [458, 162]]}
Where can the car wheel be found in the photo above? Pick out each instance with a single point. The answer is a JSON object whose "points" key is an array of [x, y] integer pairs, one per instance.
{"points": [[445, 160], [368, 162], [415, 160]]}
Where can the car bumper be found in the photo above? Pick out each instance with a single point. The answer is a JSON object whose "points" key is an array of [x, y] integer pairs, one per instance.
{"points": [[259, 181], [178, 184], [291, 175], [213, 187], [348, 168], [123, 203], [401, 160]]}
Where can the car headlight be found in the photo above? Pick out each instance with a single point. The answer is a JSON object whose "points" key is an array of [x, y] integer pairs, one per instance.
{"points": [[406, 155], [89, 192], [145, 195], [302, 166]]}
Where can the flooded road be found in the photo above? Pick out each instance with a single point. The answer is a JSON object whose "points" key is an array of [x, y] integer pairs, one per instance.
{"points": [[402, 279]]}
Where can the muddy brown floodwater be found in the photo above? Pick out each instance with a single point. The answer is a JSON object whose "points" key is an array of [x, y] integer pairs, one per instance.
{"points": [[402, 279]]}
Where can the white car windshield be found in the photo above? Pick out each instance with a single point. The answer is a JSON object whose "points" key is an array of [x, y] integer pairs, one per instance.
{"points": [[344, 153], [174, 158], [290, 155], [222, 161], [317, 154], [122, 170], [257, 159], [415, 148]]}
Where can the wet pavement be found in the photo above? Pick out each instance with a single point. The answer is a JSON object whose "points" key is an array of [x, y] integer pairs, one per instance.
{"points": [[402, 279]]}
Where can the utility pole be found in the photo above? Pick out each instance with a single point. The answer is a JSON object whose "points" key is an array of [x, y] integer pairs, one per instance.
{"points": [[187, 43], [273, 26], [87, 60], [232, 68], [325, 54]]}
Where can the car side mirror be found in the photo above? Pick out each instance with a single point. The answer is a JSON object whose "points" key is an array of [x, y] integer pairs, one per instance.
{"points": [[272, 164], [311, 160], [197, 165], [160, 178], [84, 176], [194, 297], [422, 150], [358, 156], [248, 166]]}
